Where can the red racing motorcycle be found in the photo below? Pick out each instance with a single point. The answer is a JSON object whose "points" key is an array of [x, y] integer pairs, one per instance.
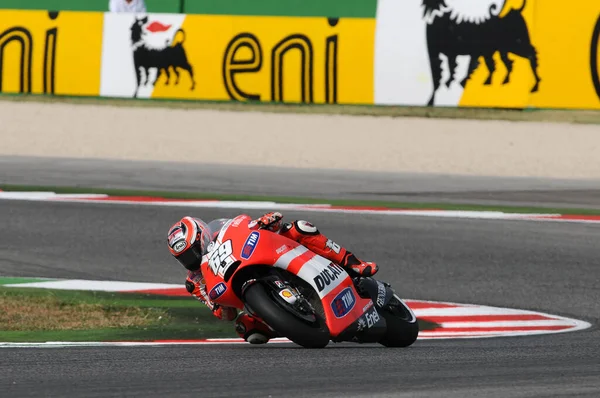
{"points": [[299, 294]]}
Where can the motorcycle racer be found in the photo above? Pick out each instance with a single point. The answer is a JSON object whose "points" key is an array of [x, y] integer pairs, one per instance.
{"points": [[188, 242]]}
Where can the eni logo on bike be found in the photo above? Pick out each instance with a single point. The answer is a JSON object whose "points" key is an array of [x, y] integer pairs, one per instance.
{"points": [[250, 245]]}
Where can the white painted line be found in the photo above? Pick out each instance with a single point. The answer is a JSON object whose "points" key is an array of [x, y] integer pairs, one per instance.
{"points": [[494, 324], [105, 286], [268, 205], [463, 310]]}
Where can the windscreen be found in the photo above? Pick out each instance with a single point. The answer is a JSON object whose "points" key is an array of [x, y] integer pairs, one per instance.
{"points": [[215, 226]]}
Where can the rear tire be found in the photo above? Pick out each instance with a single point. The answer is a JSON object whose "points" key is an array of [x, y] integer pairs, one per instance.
{"points": [[286, 324], [402, 326]]}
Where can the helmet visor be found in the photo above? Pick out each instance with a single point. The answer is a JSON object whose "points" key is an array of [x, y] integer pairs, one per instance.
{"points": [[191, 258]]}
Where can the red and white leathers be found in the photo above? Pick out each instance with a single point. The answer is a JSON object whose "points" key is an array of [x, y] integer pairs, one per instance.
{"points": [[300, 231]]}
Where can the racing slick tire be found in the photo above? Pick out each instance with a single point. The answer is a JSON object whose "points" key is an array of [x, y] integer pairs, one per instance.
{"points": [[283, 321], [402, 325]]}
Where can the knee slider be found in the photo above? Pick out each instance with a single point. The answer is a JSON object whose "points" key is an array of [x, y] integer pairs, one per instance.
{"points": [[189, 286], [306, 228]]}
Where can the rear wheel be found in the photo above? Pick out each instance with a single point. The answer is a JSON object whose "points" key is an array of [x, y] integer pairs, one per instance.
{"points": [[402, 326], [269, 308]]}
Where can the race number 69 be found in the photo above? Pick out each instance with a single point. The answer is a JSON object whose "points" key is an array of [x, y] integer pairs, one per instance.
{"points": [[220, 258]]}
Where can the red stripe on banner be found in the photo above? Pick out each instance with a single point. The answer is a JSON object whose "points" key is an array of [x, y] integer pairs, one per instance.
{"points": [[485, 318], [419, 305], [297, 263], [502, 329], [173, 291]]}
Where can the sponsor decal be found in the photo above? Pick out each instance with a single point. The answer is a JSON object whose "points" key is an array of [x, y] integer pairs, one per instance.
{"points": [[258, 58], [328, 275], [372, 317], [250, 245], [380, 293], [179, 246], [169, 55], [288, 296], [50, 52], [281, 249], [343, 303], [279, 284], [451, 32], [252, 224], [485, 53], [217, 291], [237, 221], [361, 324], [367, 306]]}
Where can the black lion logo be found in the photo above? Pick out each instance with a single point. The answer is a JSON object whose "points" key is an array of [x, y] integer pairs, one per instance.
{"points": [[452, 36]]}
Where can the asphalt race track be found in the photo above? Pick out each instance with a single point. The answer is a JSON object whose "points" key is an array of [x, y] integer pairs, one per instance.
{"points": [[315, 183], [551, 267]]}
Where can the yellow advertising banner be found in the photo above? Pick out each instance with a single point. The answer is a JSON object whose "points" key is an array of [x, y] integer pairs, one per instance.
{"points": [[547, 59], [488, 53], [50, 52], [567, 36], [493, 53], [210, 57]]}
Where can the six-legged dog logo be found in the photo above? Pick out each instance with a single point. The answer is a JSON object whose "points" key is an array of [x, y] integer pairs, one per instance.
{"points": [[452, 34], [169, 55]]}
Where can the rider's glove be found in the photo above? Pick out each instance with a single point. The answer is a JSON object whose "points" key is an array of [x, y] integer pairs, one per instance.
{"points": [[270, 221]]}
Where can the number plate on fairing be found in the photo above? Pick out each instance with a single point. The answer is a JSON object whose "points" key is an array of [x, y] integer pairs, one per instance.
{"points": [[220, 258]]}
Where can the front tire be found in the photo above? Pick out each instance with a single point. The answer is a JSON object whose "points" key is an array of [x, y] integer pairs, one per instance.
{"points": [[286, 324]]}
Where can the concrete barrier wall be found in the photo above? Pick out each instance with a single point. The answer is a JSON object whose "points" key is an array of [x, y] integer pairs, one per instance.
{"points": [[486, 53]]}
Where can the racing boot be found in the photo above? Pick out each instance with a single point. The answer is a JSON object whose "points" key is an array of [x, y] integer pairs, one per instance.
{"points": [[308, 235], [253, 330]]}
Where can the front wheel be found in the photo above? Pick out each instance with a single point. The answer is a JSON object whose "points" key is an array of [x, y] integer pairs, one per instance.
{"points": [[402, 326], [307, 335]]}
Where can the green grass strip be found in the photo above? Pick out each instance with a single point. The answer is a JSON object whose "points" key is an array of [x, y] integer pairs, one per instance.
{"points": [[299, 200], [186, 319], [11, 280], [292, 8]]}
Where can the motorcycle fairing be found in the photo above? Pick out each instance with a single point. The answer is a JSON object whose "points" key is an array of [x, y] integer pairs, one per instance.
{"points": [[328, 279]]}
